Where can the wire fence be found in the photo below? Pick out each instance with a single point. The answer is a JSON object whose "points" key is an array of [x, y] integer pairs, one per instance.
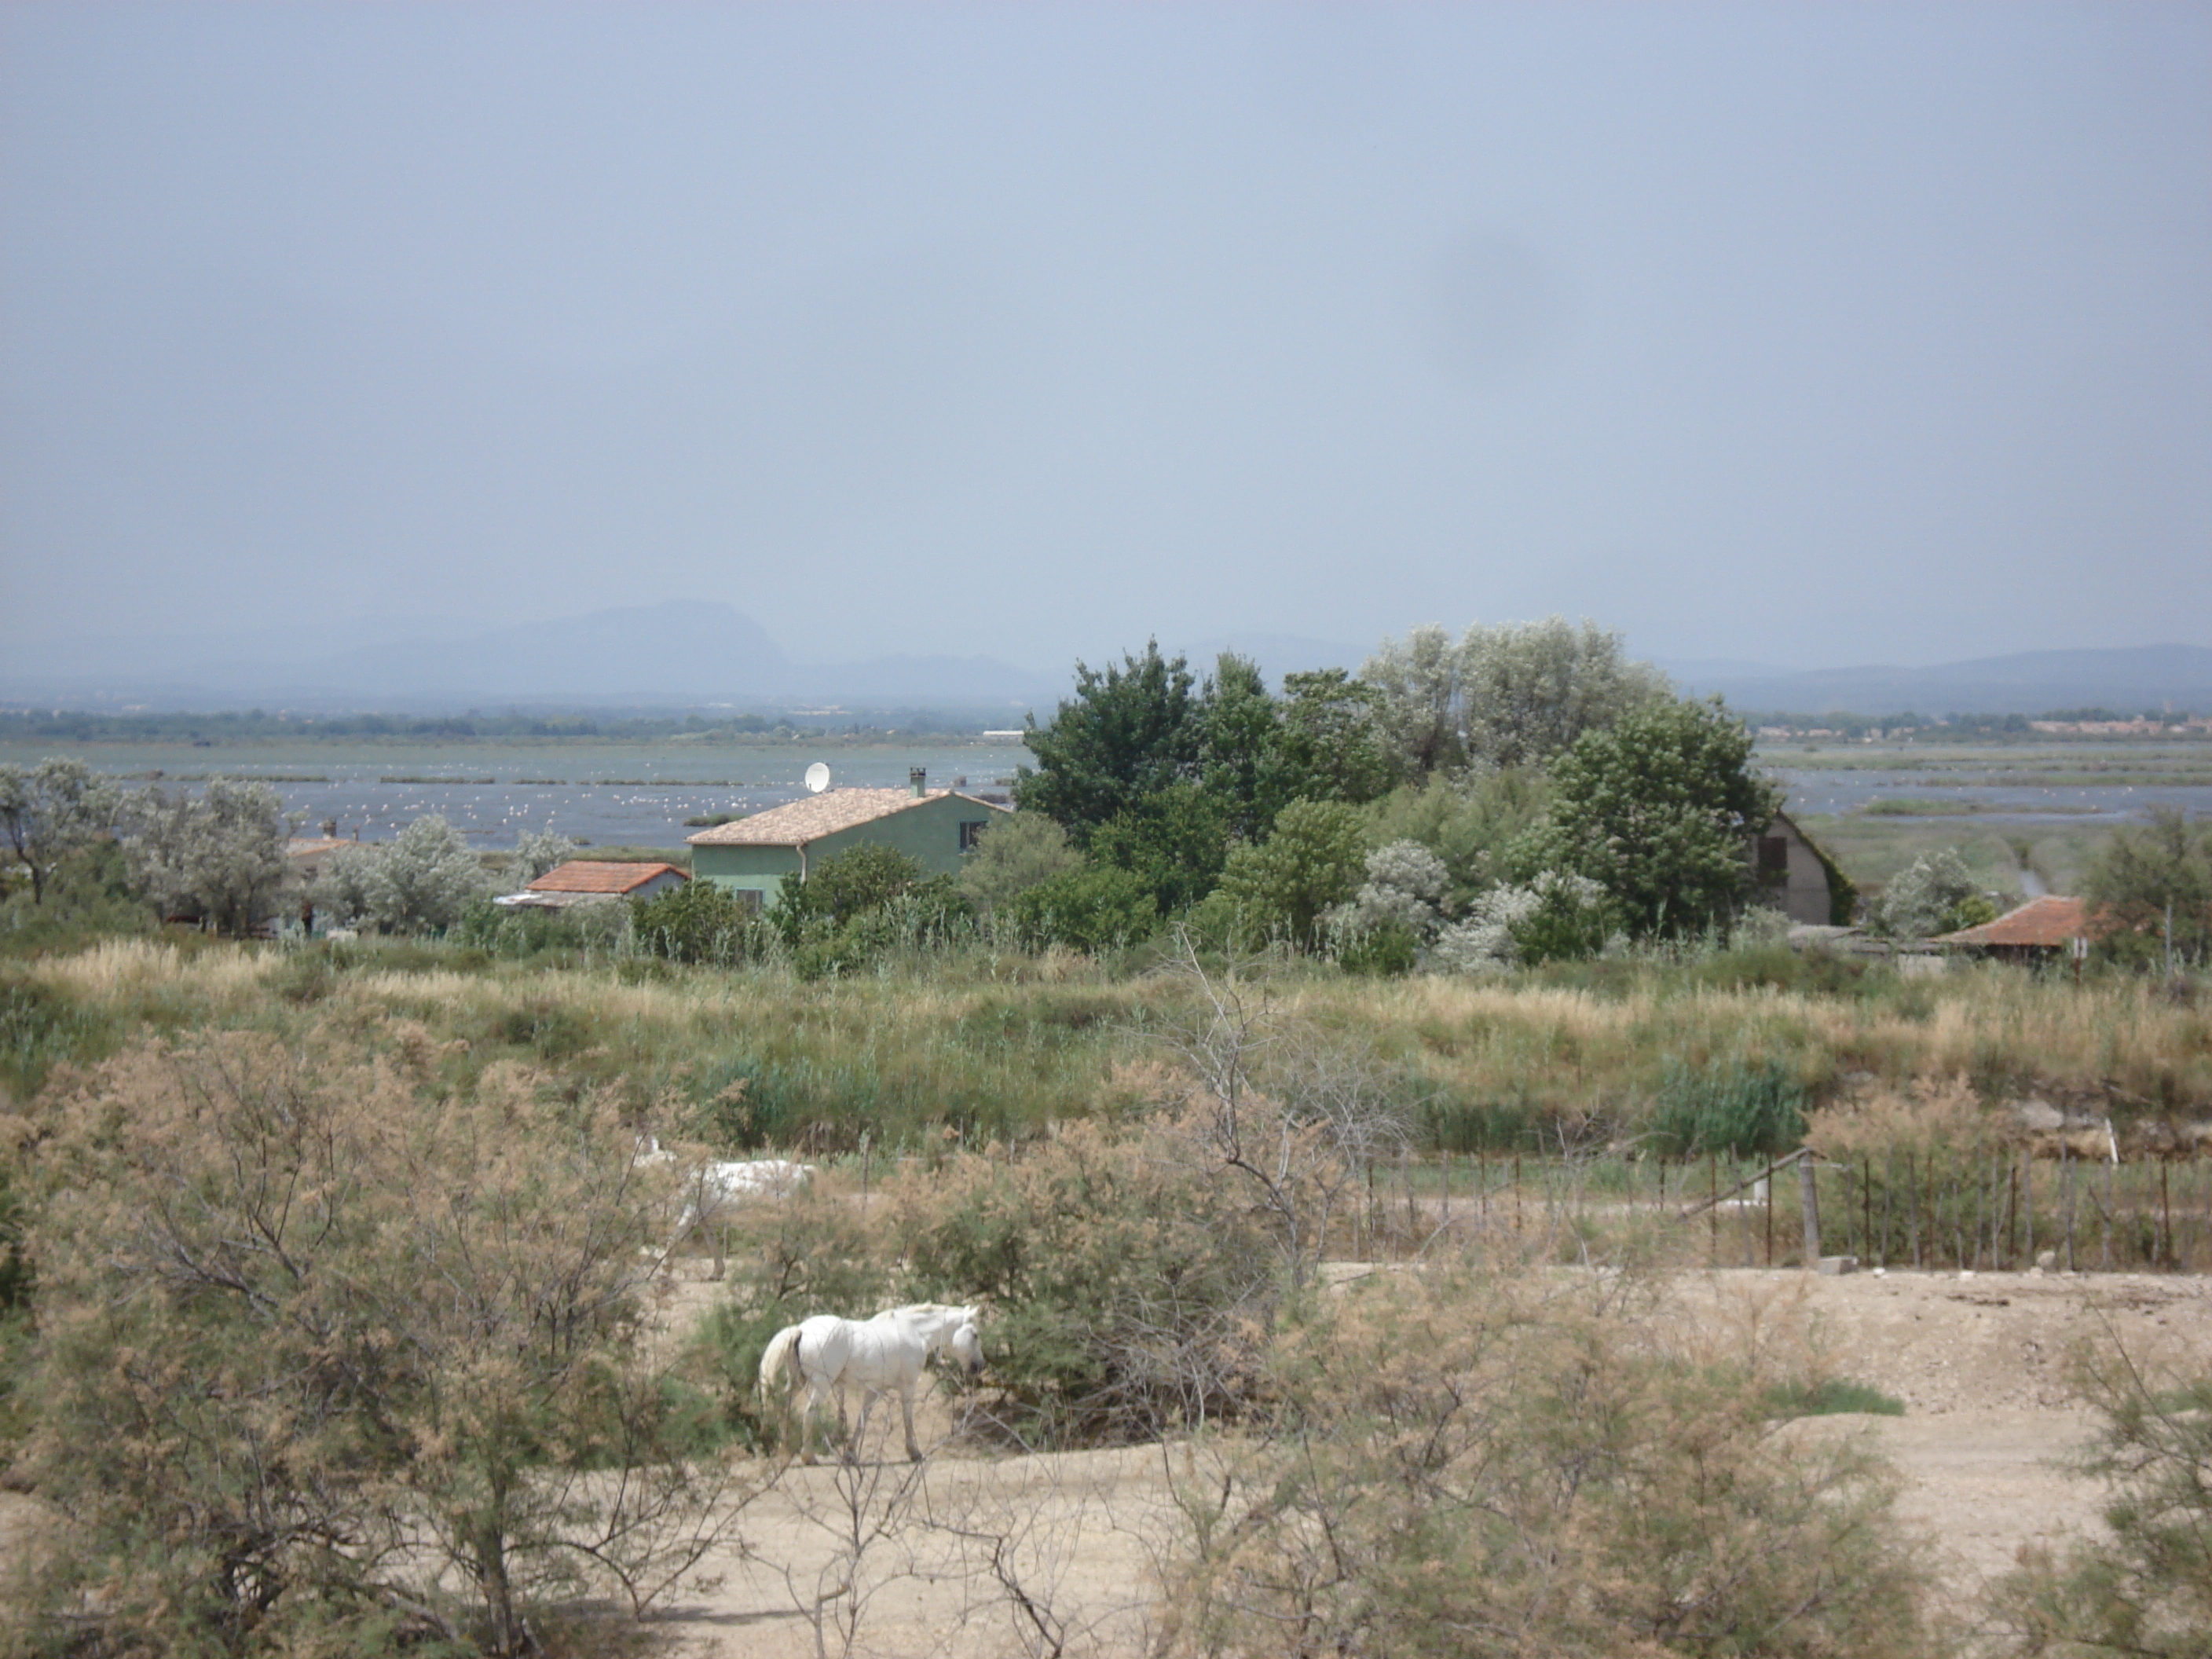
{"points": [[2004, 1210]]}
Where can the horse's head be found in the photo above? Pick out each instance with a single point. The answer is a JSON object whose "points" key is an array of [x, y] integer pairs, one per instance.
{"points": [[965, 1343]]}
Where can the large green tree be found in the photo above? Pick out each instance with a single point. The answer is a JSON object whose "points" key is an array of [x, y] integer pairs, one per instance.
{"points": [[1659, 810], [1241, 760], [1332, 739], [1175, 839], [1129, 731]]}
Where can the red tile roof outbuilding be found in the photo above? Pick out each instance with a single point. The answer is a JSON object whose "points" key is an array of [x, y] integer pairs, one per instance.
{"points": [[601, 876], [2048, 923]]}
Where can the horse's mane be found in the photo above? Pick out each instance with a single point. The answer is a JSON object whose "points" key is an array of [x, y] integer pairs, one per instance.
{"points": [[925, 1310]]}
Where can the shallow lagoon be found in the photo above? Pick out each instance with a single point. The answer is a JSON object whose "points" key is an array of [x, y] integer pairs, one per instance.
{"points": [[605, 793], [629, 794]]}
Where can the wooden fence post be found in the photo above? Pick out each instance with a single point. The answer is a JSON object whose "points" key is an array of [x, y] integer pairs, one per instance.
{"points": [[1808, 1198]]}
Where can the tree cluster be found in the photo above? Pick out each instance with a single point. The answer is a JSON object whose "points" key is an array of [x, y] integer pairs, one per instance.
{"points": [[1521, 791]]}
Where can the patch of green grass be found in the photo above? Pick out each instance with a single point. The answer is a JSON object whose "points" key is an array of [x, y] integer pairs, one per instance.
{"points": [[1908, 807], [1830, 1397]]}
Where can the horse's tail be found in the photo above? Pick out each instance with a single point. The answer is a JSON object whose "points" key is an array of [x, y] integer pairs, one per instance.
{"points": [[781, 1358]]}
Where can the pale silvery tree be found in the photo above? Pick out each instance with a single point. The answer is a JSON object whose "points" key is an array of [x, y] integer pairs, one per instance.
{"points": [[340, 892], [1920, 897], [536, 852], [49, 811], [1530, 689], [220, 853], [1417, 699], [1507, 694], [422, 880]]}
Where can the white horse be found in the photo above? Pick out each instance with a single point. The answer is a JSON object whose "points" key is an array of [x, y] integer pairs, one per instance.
{"points": [[875, 1355], [711, 1192]]}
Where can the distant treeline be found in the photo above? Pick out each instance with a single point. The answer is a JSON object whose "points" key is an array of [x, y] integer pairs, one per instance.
{"points": [[1840, 724], [252, 725]]}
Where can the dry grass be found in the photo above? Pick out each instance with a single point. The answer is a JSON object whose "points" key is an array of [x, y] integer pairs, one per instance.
{"points": [[983, 1052]]}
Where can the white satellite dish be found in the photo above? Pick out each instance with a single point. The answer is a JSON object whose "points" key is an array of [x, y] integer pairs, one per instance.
{"points": [[818, 777]]}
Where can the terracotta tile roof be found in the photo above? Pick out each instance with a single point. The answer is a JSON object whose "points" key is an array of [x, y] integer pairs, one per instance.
{"points": [[599, 876], [2048, 920], [803, 820], [319, 847]]}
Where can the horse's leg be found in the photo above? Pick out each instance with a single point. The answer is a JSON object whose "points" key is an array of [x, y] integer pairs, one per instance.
{"points": [[852, 1446], [906, 1410], [808, 1409]]}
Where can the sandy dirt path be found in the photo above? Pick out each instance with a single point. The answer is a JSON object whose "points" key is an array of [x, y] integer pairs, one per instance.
{"points": [[1978, 1360]]}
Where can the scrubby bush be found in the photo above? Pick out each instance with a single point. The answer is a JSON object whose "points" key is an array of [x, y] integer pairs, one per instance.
{"points": [[1555, 918], [1015, 853], [1467, 824], [2153, 887], [512, 931], [327, 1355], [1126, 1284], [1284, 885], [1094, 907], [697, 920], [2144, 1589], [1406, 885], [858, 905], [1474, 1462]]}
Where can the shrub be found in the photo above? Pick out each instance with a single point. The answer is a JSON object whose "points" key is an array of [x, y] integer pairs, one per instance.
{"points": [[1555, 918], [2145, 1589], [1093, 908], [1311, 861], [1934, 894], [1463, 1462], [1124, 1283], [326, 1354], [1015, 851], [697, 920]]}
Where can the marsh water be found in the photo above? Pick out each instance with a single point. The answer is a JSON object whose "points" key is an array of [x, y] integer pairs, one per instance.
{"points": [[639, 794], [633, 794]]}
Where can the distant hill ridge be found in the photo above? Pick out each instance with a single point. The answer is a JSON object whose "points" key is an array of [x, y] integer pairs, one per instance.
{"points": [[684, 652]]}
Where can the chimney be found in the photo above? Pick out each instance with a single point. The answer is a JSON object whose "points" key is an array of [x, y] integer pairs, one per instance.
{"points": [[917, 780]]}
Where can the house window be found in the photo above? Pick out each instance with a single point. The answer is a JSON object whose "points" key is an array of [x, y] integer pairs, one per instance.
{"points": [[1773, 855], [970, 830]]}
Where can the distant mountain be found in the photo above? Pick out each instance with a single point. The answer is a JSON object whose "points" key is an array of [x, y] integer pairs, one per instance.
{"points": [[683, 652], [2122, 677]]}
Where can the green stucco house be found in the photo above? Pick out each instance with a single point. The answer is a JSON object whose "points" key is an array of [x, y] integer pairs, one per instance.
{"points": [[934, 827]]}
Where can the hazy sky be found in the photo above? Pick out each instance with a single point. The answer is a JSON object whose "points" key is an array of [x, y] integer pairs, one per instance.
{"points": [[1803, 334]]}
